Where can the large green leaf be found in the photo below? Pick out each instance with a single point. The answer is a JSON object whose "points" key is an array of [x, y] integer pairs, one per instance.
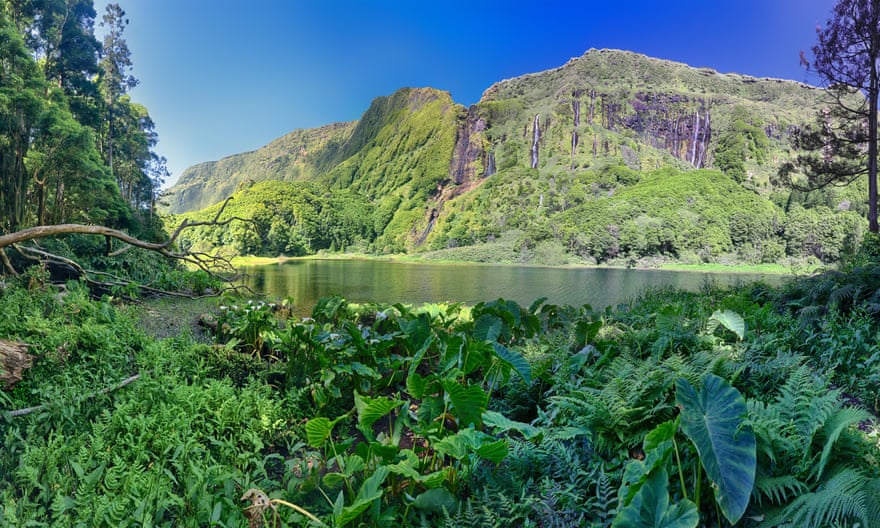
{"points": [[658, 449], [728, 319], [515, 360], [437, 500], [318, 431], [488, 327], [468, 403], [714, 420], [370, 410], [502, 424], [369, 492], [650, 507], [468, 441]]}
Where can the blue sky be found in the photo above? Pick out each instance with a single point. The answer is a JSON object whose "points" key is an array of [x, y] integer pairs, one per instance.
{"points": [[221, 77]]}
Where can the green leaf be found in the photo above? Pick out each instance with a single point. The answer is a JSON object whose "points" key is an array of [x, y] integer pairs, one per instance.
{"points": [[415, 385], [515, 360], [369, 492], [537, 304], [502, 424], [318, 431], [730, 320], [650, 507], [714, 420], [437, 500], [468, 403], [660, 434], [333, 479], [637, 472], [370, 410], [493, 451], [586, 331], [467, 441], [833, 428], [488, 327]]}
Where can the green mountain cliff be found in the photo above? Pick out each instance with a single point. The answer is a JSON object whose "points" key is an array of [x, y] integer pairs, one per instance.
{"points": [[543, 154]]}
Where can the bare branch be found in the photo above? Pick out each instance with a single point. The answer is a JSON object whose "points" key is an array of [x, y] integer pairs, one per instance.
{"points": [[215, 265]]}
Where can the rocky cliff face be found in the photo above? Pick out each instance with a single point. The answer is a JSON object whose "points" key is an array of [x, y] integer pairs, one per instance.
{"points": [[640, 110], [415, 151]]}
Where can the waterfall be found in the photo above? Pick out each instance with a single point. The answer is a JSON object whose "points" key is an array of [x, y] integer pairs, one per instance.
{"points": [[490, 164], [576, 106], [696, 131], [536, 136]]}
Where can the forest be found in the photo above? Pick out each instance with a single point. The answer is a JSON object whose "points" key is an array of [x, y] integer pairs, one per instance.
{"points": [[139, 388]]}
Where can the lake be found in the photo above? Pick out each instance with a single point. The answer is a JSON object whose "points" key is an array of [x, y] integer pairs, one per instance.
{"points": [[306, 281]]}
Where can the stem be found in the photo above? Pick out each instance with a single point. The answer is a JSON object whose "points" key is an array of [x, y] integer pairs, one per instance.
{"points": [[299, 509], [698, 485], [680, 471]]}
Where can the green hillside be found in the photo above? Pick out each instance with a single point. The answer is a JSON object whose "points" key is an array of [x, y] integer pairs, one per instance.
{"points": [[582, 157]]}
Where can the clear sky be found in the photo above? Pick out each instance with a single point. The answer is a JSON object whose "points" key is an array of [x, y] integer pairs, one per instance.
{"points": [[221, 77]]}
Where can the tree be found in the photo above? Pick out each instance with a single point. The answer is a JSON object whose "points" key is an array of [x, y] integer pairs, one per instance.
{"points": [[116, 78], [22, 104], [846, 59]]}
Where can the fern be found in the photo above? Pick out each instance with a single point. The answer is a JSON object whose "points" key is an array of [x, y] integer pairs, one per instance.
{"points": [[805, 402], [840, 498], [604, 505], [778, 490], [833, 428]]}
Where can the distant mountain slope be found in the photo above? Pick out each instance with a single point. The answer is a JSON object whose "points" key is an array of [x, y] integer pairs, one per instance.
{"points": [[294, 156], [421, 159]]}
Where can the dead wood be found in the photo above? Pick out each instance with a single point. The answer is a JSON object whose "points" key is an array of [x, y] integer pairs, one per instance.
{"points": [[14, 360], [216, 265]]}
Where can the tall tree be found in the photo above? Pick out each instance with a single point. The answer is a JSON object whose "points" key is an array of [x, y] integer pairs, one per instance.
{"points": [[116, 77], [846, 59], [22, 88]]}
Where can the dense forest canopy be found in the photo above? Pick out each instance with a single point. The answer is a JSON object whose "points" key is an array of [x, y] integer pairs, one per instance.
{"points": [[74, 147]]}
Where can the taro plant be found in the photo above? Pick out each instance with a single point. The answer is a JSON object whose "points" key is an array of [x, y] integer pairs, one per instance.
{"points": [[249, 327], [714, 420], [420, 383]]}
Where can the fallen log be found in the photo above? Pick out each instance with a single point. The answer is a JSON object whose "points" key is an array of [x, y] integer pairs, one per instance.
{"points": [[14, 360]]}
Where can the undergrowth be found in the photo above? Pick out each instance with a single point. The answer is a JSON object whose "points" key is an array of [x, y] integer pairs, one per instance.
{"points": [[445, 415]]}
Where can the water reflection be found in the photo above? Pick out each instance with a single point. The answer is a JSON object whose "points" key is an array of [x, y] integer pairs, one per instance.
{"points": [[306, 281]]}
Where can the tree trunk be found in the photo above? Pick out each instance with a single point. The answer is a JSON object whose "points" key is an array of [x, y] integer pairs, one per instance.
{"points": [[873, 93]]}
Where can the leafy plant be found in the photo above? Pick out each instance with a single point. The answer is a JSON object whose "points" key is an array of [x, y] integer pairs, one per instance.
{"points": [[714, 420]]}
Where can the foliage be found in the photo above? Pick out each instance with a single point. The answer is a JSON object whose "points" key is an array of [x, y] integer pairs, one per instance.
{"points": [[619, 137], [284, 218], [495, 414]]}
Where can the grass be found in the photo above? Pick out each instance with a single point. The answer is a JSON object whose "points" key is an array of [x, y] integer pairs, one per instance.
{"points": [[498, 253], [764, 269]]}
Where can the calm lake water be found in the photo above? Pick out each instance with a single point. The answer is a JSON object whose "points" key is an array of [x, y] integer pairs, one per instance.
{"points": [[306, 281]]}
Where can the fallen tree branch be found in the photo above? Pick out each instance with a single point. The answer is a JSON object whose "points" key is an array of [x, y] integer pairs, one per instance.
{"points": [[106, 390], [215, 265]]}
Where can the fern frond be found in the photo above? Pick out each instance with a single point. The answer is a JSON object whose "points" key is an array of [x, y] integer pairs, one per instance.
{"points": [[872, 492], [833, 428], [778, 490], [805, 401], [844, 294], [840, 498], [605, 505]]}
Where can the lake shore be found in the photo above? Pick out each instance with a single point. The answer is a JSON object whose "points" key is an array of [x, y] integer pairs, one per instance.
{"points": [[751, 269]]}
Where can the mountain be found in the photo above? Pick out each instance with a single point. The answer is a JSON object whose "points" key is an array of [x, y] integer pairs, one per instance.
{"points": [[533, 151]]}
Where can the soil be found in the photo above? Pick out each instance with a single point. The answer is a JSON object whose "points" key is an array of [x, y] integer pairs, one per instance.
{"points": [[166, 317]]}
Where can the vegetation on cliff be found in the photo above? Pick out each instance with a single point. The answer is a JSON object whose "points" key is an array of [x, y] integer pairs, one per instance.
{"points": [[592, 161]]}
